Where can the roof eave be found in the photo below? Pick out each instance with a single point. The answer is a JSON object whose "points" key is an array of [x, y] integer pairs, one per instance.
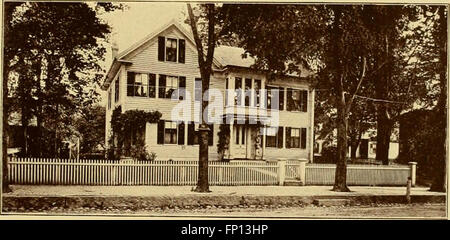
{"points": [[115, 66]]}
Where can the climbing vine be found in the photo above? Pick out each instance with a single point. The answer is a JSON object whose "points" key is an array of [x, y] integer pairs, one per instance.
{"points": [[224, 140], [128, 130]]}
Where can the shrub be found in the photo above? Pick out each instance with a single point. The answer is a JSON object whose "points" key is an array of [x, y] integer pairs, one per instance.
{"points": [[329, 155], [138, 151]]}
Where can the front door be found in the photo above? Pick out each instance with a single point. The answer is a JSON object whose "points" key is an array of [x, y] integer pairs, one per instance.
{"points": [[240, 140]]}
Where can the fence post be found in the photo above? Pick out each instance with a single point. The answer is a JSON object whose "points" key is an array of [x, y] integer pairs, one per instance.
{"points": [[302, 171], [281, 171], [412, 173]]}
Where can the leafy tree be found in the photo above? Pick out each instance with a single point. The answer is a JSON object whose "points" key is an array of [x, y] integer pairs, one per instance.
{"points": [[8, 55], [90, 125], [329, 39], [52, 55], [206, 37]]}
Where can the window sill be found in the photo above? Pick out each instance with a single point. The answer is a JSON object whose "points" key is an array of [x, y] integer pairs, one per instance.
{"points": [[170, 62]]}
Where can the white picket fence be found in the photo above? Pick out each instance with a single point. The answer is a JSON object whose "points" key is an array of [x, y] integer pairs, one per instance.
{"points": [[110, 172], [371, 175]]}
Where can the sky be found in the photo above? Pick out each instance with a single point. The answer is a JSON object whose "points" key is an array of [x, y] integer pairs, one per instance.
{"points": [[137, 21]]}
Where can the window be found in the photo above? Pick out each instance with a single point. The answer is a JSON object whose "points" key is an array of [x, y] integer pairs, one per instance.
{"points": [[274, 137], [226, 92], [170, 132], [198, 89], [116, 90], [170, 84], [248, 88], [141, 85], [272, 94], [297, 100], [193, 134], [296, 138], [167, 49], [171, 50], [238, 91], [257, 96]]}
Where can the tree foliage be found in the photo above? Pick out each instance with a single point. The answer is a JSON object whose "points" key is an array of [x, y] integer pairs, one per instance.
{"points": [[90, 126], [54, 64]]}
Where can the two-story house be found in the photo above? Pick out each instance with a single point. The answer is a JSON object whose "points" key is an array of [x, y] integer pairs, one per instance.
{"points": [[145, 76]]}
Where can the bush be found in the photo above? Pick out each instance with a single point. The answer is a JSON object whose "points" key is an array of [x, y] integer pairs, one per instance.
{"points": [[329, 155], [139, 152]]}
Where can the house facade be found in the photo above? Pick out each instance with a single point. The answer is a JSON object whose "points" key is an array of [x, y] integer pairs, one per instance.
{"points": [[266, 119]]}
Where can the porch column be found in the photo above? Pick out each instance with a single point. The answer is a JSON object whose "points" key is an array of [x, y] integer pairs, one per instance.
{"points": [[263, 141], [230, 147], [311, 124]]}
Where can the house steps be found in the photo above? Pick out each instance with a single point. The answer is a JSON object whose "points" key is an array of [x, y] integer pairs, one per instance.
{"points": [[293, 182]]}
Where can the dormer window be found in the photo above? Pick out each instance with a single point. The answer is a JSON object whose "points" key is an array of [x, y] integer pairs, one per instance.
{"points": [[171, 49]]}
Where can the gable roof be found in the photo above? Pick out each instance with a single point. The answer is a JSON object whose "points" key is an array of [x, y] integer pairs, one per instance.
{"points": [[233, 56], [223, 55], [120, 58]]}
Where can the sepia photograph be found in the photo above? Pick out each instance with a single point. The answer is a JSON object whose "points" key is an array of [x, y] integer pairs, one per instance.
{"points": [[219, 110]]}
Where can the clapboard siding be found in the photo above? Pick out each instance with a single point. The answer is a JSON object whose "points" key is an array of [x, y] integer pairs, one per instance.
{"points": [[145, 60]]}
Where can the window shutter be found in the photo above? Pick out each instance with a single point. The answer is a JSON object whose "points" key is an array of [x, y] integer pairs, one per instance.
{"points": [[182, 84], [288, 137], [181, 50], [211, 135], [304, 101], [280, 137], [130, 82], [303, 139], [191, 133], [181, 133], [161, 132], [281, 98], [289, 100], [161, 48], [151, 85], [162, 86]]}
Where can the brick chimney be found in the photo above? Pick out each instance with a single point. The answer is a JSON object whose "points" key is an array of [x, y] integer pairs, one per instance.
{"points": [[115, 49]]}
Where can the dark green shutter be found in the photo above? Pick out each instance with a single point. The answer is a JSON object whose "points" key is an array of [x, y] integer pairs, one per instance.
{"points": [[182, 84], [304, 101], [130, 83], [280, 137], [191, 133], [161, 48], [281, 99], [288, 137], [162, 86], [161, 132], [303, 138], [181, 50], [211, 134], [151, 85], [181, 133], [289, 100]]}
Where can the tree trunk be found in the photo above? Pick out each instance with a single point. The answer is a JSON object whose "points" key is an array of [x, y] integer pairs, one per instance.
{"points": [[384, 130], [353, 149], [440, 167], [340, 182], [5, 182], [205, 71], [202, 182]]}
